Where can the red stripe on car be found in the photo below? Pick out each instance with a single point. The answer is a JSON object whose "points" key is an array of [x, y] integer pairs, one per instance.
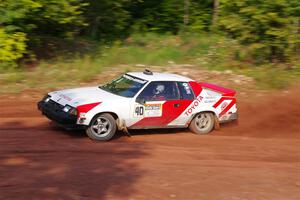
{"points": [[221, 100], [227, 108], [233, 101], [86, 107], [196, 87]]}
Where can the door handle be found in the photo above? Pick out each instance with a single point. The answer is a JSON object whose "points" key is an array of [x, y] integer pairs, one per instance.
{"points": [[176, 105]]}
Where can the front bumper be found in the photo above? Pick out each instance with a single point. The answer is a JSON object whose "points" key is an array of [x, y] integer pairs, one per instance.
{"points": [[54, 111]]}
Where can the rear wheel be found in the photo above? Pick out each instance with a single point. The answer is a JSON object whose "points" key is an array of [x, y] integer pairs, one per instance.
{"points": [[103, 127], [203, 123]]}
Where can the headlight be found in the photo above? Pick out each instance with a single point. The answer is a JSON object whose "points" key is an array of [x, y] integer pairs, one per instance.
{"points": [[70, 109], [67, 108], [46, 98], [73, 111]]}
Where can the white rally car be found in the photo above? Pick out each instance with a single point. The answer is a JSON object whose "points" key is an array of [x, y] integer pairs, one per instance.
{"points": [[141, 100]]}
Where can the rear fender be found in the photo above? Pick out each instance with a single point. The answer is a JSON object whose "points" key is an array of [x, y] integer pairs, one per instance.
{"points": [[200, 110], [219, 100]]}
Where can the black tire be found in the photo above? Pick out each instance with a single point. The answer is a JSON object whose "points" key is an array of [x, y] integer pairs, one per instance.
{"points": [[98, 125], [203, 123]]}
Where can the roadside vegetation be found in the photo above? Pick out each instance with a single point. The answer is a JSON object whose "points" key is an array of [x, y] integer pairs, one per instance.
{"points": [[61, 43], [202, 51]]}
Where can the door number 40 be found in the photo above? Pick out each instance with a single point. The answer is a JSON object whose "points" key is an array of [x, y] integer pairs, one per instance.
{"points": [[139, 110]]}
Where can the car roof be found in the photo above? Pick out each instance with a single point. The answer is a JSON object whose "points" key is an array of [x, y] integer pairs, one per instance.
{"points": [[160, 76]]}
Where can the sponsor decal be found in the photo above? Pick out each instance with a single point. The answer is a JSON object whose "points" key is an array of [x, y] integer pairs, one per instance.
{"points": [[65, 97], [187, 88], [134, 79], [153, 110], [224, 105], [209, 101], [193, 106]]}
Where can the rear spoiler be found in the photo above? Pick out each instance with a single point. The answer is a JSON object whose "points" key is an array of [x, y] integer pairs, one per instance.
{"points": [[216, 88]]}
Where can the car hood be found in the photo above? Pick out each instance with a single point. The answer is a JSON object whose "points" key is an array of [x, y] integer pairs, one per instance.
{"points": [[80, 96]]}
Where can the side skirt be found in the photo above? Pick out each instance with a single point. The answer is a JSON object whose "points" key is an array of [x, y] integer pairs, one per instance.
{"points": [[158, 127]]}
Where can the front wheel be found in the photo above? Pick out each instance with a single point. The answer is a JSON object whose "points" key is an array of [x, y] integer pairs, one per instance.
{"points": [[203, 123], [103, 127]]}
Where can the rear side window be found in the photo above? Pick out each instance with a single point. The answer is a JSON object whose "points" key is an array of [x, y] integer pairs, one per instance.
{"points": [[185, 90]]}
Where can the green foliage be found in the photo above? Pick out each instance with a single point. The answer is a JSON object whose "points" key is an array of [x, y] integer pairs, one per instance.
{"points": [[207, 51], [12, 46], [29, 16], [159, 16], [107, 19], [24, 23], [168, 15], [270, 28]]}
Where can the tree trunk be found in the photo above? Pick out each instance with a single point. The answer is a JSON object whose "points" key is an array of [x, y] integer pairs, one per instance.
{"points": [[186, 12], [215, 12]]}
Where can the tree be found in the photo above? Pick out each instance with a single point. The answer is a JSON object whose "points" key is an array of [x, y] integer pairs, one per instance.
{"points": [[186, 12], [107, 19], [26, 22], [267, 26], [215, 12], [166, 15]]}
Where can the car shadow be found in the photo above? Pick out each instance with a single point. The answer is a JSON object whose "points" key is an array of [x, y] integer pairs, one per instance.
{"points": [[135, 132], [80, 133], [40, 162], [159, 131]]}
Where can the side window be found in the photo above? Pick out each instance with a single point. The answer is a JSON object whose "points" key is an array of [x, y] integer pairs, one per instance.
{"points": [[185, 90], [159, 91]]}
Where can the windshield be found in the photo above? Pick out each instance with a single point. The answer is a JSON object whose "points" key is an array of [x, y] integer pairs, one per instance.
{"points": [[126, 86]]}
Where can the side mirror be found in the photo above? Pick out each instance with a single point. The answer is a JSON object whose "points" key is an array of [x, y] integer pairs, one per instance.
{"points": [[140, 100]]}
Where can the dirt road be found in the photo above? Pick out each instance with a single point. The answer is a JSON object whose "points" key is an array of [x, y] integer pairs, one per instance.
{"points": [[258, 159]]}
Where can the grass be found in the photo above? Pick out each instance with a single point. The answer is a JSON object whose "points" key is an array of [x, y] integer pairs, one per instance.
{"points": [[207, 51], [59, 73]]}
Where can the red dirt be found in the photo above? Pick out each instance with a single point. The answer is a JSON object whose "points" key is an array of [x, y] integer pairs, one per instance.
{"points": [[258, 159]]}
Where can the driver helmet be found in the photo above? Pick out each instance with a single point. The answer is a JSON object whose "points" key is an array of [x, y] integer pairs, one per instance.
{"points": [[159, 89]]}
